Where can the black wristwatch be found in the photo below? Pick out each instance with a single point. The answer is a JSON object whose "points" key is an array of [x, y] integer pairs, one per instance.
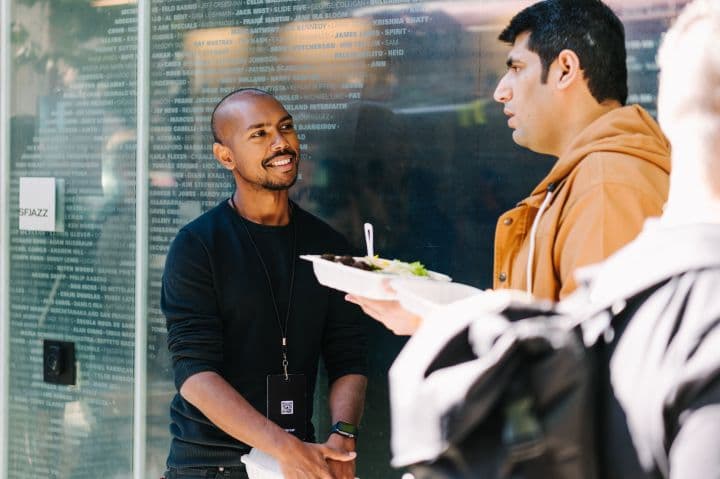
{"points": [[345, 429]]}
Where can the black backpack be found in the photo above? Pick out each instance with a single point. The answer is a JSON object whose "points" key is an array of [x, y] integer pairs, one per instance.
{"points": [[527, 415]]}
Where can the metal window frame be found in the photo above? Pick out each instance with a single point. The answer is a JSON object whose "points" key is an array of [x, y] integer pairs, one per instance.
{"points": [[4, 231], [141, 239]]}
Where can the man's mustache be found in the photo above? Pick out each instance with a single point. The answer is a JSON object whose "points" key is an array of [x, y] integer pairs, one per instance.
{"points": [[284, 152]]}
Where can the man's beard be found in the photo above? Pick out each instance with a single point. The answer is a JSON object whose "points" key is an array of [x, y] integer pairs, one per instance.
{"points": [[272, 186], [269, 185]]}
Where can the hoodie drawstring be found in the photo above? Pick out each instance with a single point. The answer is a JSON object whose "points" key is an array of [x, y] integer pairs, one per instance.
{"points": [[533, 234]]}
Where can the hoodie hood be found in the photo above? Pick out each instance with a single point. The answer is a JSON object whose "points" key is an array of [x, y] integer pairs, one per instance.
{"points": [[594, 201], [628, 130]]}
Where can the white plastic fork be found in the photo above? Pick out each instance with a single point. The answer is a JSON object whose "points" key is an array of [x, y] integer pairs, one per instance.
{"points": [[368, 227]]}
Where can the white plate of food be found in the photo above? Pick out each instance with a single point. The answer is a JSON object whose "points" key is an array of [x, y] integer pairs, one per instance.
{"points": [[364, 276]]}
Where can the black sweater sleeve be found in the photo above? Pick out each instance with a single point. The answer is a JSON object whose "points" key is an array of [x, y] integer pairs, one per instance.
{"points": [[345, 335], [344, 339], [190, 307]]}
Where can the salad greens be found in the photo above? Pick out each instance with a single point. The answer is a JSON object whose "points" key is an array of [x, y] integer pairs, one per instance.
{"points": [[380, 265], [395, 266]]}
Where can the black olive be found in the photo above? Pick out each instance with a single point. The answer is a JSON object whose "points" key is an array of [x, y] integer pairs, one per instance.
{"points": [[346, 260], [363, 265]]}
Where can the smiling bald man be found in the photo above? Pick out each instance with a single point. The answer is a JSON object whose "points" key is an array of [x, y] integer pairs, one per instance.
{"points": [[247, 321]]}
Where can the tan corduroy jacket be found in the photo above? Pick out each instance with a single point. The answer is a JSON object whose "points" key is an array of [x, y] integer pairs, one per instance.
{"points": [[596, 198]]}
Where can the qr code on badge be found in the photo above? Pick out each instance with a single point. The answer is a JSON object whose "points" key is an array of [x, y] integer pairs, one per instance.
{"points": [[286, 407]]}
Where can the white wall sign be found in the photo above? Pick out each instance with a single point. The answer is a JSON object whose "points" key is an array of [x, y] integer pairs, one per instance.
{"points": [[42, 204]]}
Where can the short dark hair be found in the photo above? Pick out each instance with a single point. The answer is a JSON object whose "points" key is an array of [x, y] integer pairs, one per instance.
{"points": [[232, 94], [587, 27]]}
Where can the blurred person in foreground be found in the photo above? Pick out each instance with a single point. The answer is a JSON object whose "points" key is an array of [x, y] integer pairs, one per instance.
{"points": [[564, 93], [662, 387], [247, 320]]}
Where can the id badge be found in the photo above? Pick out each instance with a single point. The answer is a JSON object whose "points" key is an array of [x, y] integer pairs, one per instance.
{"points": [[287, 403]]}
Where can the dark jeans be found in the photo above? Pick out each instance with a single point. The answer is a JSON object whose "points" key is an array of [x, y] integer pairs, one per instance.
{"points": [[235, 472]]}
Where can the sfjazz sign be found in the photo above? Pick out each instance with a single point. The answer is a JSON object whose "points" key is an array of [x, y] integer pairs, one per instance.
{"points": [[40, 212], [41, 204]]}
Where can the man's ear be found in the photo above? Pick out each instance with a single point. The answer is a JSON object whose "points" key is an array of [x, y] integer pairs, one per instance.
{"points": [[568, 69], [224, 156]]}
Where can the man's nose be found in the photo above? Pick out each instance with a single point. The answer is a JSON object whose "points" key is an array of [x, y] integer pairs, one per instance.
{"points": [[279, 142], [503, 93]]}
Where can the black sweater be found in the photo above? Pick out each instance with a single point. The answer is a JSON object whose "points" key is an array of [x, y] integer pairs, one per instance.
{"points": [[221, 318]]}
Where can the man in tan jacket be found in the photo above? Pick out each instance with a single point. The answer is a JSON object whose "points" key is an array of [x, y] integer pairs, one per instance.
{"points": [[564, 94]]}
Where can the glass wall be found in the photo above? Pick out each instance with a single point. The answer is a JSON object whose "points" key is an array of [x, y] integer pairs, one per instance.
{"points": [[393, 103]]}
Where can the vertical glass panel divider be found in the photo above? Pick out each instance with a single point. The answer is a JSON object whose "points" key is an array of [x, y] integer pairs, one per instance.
{"points": [[4, 231], [141, 239]]}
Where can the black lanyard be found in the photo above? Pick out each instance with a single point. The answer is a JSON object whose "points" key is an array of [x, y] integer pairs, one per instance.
{"points": [[283, 329]]}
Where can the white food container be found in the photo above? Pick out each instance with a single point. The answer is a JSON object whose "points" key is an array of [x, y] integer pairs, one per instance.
{"points": [[360, 282], [261, 466]]}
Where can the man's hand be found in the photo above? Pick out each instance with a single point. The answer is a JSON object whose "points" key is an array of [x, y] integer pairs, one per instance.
{"points": [[227, 409], [341, 469], [396, 318], [304, 460]]}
